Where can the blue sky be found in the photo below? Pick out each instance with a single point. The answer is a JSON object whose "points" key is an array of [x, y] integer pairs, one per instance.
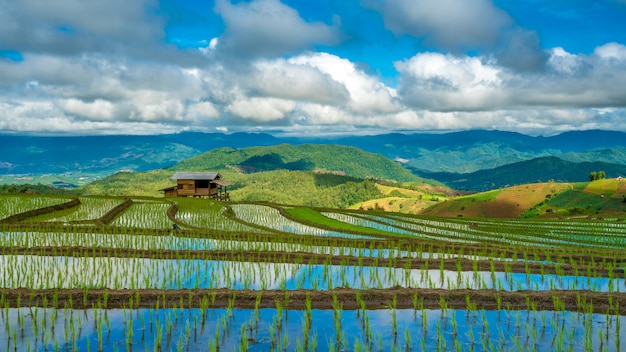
{"points": [[311, 67]]}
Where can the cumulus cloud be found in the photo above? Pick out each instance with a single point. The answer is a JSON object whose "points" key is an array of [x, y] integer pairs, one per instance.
{"points": [[94, 82], [458, 26], [450, 24], [96, 110], [441, 82], [71, 27], [261, 109], [436, 81], [367, 93], [268, 28], [291, 79]]}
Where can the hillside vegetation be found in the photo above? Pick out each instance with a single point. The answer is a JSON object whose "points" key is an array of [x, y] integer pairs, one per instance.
{"points": [[529, 171], [336, 159], [597, 198], [407, 199], [313, 175], [508, 202]]}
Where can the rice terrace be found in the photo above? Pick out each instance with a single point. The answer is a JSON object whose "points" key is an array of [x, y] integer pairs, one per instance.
{"points": [[105, 273]]}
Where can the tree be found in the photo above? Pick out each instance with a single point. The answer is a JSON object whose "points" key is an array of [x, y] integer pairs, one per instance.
{"points": [[599, 175]]}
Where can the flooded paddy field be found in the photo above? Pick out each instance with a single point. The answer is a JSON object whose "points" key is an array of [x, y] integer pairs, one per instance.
{"points": [[116, 274]]}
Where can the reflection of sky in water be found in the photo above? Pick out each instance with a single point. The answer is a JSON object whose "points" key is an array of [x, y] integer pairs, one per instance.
{"points": [[271, 218], [70, 272], [547, 233], [98, 240], [196, 329]]}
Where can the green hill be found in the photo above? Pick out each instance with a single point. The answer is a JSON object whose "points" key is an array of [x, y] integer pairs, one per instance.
{"points": [[322, 158], [314, 175], [529, 171]]}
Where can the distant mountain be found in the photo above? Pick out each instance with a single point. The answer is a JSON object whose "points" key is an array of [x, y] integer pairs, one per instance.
{"points": [[528, 171], [457, 152], [611, 155], [109, 154], [470, 151]]}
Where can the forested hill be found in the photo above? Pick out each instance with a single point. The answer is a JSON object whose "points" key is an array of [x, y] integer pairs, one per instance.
{"points": [[528, 171], [337, 159]]}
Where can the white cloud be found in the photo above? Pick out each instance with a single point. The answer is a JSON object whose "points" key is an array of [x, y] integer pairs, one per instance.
{"points": [[268, 28], [367, 94], [96, 110], [261, 109], [611, 51], [291, 79], [72, 26], [197, 111], [452, 24], [458, 26], [563, 62], [435, 81]]}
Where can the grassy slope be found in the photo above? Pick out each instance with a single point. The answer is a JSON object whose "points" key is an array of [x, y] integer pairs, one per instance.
{"points": [[502, 203], [602, 196], [310, 215], [403, 200], [540, 199]]}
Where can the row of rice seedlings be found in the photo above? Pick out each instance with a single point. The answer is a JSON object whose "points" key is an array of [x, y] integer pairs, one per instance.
{"points": [[271, 218], [30, 239], [455, 230], [418, 329], [428, 232], [43, 272], [571, 225], [141, 239], [356, 251], [90, 208], [15, 204], [466, 232], [144, 215], [591, 233], [207, 214], [132, 238]]}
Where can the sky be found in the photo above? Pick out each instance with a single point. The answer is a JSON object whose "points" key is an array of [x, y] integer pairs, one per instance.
{"points": [[311, 68]]}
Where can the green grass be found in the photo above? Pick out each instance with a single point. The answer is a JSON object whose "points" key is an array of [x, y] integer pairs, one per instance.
{"points": [[573, 198], [605, 187], [312, 216], [481, 197]]}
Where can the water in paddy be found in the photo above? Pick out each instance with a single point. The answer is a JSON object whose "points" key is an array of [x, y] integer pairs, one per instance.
{"points": [[38, 329], [119, 273]]}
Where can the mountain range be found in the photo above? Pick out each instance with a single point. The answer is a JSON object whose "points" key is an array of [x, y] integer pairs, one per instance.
{"points": [[472, 160]]}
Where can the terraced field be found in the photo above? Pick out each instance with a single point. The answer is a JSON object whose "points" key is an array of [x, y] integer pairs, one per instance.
{"points": [[115, 274]]}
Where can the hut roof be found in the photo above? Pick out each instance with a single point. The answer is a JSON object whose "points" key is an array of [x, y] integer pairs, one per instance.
{"points": [[195, 176], [222, 183]]}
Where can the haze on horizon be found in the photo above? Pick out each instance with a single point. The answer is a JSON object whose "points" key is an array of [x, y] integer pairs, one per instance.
{"points": [[311, 68]]}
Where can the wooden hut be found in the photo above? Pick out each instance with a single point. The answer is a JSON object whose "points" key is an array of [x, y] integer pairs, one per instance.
{"points": [[198, 184]]}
